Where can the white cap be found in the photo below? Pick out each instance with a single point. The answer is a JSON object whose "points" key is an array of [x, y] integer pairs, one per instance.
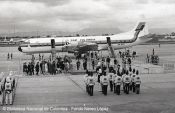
{"points": [[8, 79], [11, 73]]}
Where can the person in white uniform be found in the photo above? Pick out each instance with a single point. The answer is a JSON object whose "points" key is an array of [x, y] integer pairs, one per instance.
{"points": [[8, 91]]}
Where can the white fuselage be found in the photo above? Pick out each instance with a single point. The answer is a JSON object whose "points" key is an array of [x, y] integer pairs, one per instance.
{"points": [[118, 41]]}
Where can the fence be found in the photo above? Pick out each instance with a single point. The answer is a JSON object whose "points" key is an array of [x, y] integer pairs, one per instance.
{"points": [[164, 66]]}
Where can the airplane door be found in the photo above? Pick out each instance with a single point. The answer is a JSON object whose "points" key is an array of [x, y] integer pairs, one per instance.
{"points": [[108, 41], [52, 43]]}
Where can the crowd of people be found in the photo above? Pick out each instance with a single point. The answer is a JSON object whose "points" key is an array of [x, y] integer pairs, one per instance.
{"points": [[129, 79], [114, 76], [47, 67]]}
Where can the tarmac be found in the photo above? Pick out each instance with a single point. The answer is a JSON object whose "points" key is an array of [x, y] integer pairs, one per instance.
{"points": [[66, 93]]}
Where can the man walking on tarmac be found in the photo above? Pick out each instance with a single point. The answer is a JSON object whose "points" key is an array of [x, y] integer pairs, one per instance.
{"points": [[91, 83], [104, 82], [8, 91]]}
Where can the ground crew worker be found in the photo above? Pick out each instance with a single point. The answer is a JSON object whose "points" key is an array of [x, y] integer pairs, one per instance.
{"points": [[91, 83], [8, 91], [86, 80], [104, 82], [117, 81], [110, 76], [137, 83], [127, 80]]}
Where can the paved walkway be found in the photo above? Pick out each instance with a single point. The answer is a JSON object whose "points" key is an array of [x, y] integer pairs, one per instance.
{"points": [[157, 95]]}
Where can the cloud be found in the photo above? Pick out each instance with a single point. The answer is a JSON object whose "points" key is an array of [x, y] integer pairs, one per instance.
{"points": [[74, 15], [46, 2]]}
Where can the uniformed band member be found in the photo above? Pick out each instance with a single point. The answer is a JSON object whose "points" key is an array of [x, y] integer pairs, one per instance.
{"points": [[117, 81], [126, 83], [91, 83], [137, 83], [104, 83], [110, 76]]}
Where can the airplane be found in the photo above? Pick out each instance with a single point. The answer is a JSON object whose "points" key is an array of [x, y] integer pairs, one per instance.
{"points": [[80, 45]]}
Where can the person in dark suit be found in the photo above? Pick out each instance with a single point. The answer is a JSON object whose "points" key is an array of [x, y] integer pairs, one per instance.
{"points": [[37, 68]]}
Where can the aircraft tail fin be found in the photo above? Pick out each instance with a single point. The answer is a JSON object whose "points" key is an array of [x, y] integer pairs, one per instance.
{"points": [[141, 29]]}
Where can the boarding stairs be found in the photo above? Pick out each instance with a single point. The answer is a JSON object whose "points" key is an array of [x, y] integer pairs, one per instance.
{"points": [[110, 48]]}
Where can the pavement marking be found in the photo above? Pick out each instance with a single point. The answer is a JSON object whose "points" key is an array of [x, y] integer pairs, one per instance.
{"points": [[74, 82]]}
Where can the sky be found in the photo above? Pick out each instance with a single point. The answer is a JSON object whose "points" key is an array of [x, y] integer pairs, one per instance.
{"points": [[76, 15]]}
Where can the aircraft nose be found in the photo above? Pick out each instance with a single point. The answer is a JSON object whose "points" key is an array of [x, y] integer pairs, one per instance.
{"points": [[20, 49]]}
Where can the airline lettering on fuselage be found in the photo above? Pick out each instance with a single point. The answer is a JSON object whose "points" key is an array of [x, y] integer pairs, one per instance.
{"points": [[72, 40], [90, 39], [83, 40]]}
